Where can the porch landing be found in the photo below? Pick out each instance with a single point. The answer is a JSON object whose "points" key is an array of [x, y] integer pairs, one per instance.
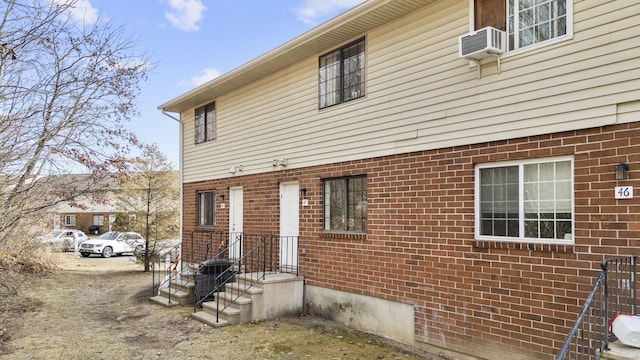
{"points": [[248, 299], [619, 351]]}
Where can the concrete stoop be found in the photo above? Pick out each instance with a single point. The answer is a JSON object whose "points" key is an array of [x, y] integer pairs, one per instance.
{"points": [[619, 351], [181, 293], [275, 296]]}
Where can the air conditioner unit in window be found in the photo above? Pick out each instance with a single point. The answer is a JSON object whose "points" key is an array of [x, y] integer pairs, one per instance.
{"points": [[483, 43]]}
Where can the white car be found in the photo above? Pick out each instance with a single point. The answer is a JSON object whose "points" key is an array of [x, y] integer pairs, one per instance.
{"points": [[65, 239], [111, 243]]}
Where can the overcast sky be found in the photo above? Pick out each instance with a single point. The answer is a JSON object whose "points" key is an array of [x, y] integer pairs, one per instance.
{"points": [[193, 41]]}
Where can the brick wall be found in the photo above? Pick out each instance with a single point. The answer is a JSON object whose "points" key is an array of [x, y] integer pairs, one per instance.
{"points": [[83, 221], [492, 299]]}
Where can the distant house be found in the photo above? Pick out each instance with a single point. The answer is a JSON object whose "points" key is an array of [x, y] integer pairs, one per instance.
{"points": [[92, 217], [90, 212], [98, 204], [442, 195]]}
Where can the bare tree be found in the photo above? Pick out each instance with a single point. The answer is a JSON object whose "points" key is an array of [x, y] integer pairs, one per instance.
{"points": [[66, 90], [151, 192]]}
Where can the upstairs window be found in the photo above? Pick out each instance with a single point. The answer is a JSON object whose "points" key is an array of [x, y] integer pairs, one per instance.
{"points": [[341, 75], [205, 123], [526, 22], [345, 204], [534, 21], [525, 201], [206, 208]]}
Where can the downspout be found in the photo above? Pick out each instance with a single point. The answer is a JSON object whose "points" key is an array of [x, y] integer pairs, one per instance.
{"points": [[179, 171]]}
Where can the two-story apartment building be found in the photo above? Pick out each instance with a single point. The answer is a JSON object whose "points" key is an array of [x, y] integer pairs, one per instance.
{"points": [[458, 202], [90, 207]]}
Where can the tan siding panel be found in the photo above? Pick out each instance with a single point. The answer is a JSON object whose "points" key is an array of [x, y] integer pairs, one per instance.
{"points": [[420, 95], [628, 112]]}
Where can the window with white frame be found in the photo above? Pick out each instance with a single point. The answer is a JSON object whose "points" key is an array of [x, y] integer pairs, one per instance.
{"points": [[206, 202], [341, 75], [205, 123], [345, 204], [525, 201], [534, 21], [527, 22], [69, 220], [98, 220]]}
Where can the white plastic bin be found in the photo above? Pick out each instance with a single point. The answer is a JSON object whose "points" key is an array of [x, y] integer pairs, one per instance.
{"points": [[626, 328]]}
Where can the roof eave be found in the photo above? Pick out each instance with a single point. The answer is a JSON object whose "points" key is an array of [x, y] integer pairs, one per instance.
{"points": [[336, 31]]}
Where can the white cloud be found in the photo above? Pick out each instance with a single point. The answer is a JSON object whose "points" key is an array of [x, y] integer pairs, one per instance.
{"points": [[207, 74], [185, 14], [312, 10], [81, 12]]}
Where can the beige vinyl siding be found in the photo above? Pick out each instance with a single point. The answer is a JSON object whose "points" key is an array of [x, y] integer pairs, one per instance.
{"points": [[628, 112], [252, 119], [420, 95]]}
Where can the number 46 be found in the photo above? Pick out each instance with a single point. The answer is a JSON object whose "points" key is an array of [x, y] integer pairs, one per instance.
{"points": [[624, 192]]}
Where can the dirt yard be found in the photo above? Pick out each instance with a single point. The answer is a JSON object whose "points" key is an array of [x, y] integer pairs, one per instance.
{"points": [[95, 308]]}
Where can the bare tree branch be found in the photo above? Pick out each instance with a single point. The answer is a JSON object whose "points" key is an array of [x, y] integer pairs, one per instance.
{"points": [[66, 92]]}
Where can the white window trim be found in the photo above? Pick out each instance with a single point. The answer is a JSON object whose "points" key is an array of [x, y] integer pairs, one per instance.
{"points": [[70, 223], [567, 36], [99, 217], [538, 45], [477, 216]]}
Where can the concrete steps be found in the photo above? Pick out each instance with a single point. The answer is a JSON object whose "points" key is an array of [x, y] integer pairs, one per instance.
{"points": [[182, 292], [248, 299], [209, 319], [164, 301], [275, 296]]}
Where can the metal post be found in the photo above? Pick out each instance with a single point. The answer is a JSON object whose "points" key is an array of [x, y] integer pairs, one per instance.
{"points": [[170, 276], [153, 281], [264, 258], [271, 251], [634, 277], [217, 307], [604, 265], [192, 246]]}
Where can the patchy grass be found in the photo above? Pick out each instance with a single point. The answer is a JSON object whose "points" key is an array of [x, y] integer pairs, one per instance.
{"points": [[20, 263], [99, 308]]}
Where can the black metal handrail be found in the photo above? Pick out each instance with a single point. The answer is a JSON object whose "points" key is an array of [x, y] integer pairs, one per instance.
{"points": [[163, 264], [614, 292], [254, 264], [253, 261], [200, 247], [276, 254]]}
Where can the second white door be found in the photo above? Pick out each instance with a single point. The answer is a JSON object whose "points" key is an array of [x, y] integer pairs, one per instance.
{"points": [[235, 223], [289, 223]]}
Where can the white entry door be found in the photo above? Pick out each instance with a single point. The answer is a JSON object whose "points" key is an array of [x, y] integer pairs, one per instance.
{"points": [[235, 223], [289, 222]]}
